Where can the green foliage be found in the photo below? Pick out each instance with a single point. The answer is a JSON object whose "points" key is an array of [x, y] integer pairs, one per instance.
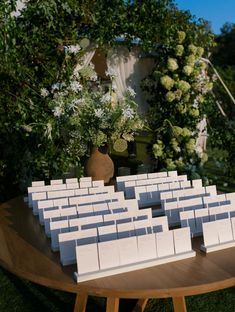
{"points": [[220, 127], [177, 91], [33, 57]]}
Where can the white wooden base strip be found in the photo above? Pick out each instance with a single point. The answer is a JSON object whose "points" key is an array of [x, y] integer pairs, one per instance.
{"points": [[222, 246], [132, 267]]}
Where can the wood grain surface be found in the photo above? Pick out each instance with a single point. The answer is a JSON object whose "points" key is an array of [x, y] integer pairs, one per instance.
{"points": [[25, 251]]}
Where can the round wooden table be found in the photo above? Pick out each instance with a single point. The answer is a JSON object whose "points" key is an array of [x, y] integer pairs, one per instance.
{"points": [[25, 251]]}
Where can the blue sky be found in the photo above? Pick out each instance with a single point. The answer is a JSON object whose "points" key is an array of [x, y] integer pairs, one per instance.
{"points": [[215, 11]]}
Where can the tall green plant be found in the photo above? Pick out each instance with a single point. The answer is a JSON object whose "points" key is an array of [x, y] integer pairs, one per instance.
{"points": [[177, 92]]}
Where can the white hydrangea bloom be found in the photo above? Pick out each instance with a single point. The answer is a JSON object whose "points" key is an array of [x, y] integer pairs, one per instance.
{"points": [[44, 92]]}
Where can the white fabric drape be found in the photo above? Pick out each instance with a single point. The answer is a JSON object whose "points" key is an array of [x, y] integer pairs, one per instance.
{"points": [[129, 69], [86, 58], [202, 136]]}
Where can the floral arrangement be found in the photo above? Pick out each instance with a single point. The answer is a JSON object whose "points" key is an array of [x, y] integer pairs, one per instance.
{"points": [[87, 113], [177, 91]]}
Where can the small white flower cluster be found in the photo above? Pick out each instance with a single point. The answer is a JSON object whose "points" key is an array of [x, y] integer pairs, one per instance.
{"points": [[106, 98], [75, 86], [99, 112], [131, 92], [57, 111], [44, 92], [127, 112], [72, 49]]}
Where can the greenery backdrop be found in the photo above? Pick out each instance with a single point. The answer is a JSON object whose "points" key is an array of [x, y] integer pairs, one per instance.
{"points": [[33, 57]]}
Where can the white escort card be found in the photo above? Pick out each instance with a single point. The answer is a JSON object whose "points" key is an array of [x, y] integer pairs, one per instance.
{"points": [[218, 235], [132, 253]]}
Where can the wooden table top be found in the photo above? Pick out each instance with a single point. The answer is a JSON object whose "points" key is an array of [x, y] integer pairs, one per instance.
{"points": [[25, 251]]}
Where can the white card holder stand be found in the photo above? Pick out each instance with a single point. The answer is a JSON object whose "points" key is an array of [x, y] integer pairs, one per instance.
{"points": [[173, 173], [142, 227], [72, 186], [50, 204], [56, 228], [130, 204], [218, 235], [201, 216], [230, 197], [125, 230], [187, 219], [81, 192], [101, 189], [85, 184], [64, 226], [56, 182], [36, 197], [129, 189], [160, 224], [214, 200], [38, 183], [154, 175], [44, 205], [85, 211], [60, 194], [98, 183], [107, 233], [44, 188], [132, 253], [108, 255], [71, 180], [120, 181], [197, 183], [101, 209], [68, 243]]}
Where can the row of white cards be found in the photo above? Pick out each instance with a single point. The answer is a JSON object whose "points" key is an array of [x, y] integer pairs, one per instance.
{"points": [[57, 225], [173, 208], [58, 185], [132, 253], [120, 181], [195, 218], [159, 193], [42, 199], [120, 228], [130, 186], [219, 234]]}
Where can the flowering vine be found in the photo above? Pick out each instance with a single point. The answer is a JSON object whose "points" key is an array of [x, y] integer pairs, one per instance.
{"points": [[177, 91]]}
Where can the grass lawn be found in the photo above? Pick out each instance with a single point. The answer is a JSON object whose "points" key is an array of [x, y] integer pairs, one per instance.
{"points": [[17, 295]]}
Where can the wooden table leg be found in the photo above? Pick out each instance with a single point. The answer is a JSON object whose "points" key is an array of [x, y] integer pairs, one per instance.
{"points": [[80, 304], [112, 304], [140, 305], [179, 304]]}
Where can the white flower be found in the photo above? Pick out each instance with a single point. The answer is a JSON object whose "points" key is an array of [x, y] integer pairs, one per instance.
{"points": [[57, 111], [99, 112], [44, 92], [75, 86], [131, 91], [110, 72], [106, 98], [57, 86], [72, 49], [128, 112], [195, 103], [75, 103]]}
